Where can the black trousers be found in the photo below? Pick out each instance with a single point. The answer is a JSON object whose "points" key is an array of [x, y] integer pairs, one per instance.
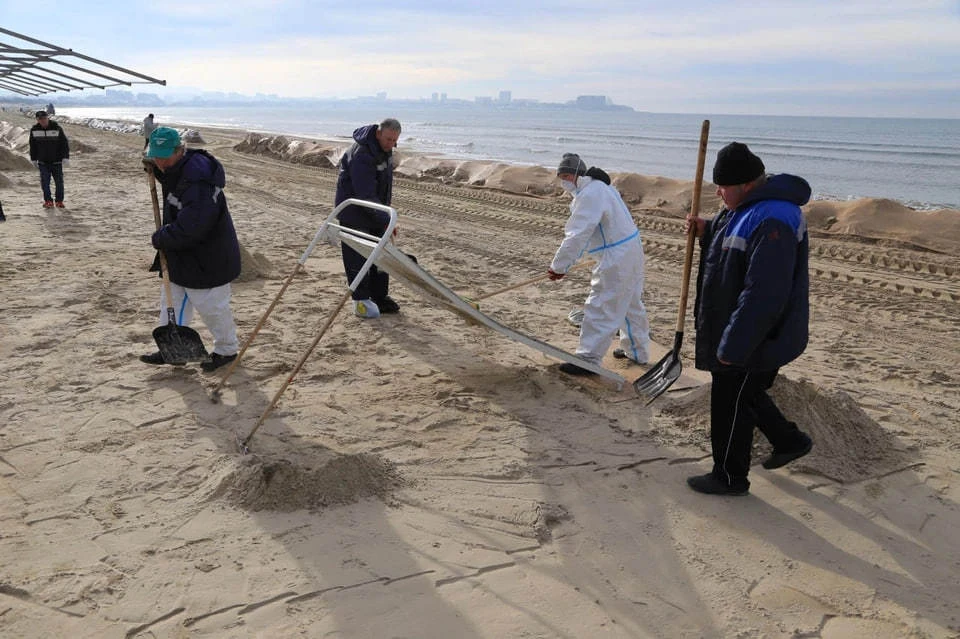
{"points": [[374, 285], [738, 403]]}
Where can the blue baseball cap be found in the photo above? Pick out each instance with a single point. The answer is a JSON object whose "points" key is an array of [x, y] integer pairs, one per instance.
{"points": [[163, 142]]}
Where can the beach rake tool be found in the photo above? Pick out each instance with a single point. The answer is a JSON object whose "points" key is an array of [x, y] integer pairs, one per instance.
{"points": [[244, 443], [664, 373], [177, 344]]}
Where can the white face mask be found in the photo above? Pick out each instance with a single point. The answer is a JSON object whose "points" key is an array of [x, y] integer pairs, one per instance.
{"points": [[568, 186]]}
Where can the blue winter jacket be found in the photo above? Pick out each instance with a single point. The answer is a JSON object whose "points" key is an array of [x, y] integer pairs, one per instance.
{"points": [[366, 173], [197, 236], [752, 307]]}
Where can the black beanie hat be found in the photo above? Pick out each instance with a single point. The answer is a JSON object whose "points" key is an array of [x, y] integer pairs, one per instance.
{"points": [[571, 163], [736, 165]]}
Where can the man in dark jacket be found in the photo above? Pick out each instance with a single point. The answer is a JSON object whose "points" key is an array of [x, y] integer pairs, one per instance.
{"points": [[49, 152], [751, 313], [198, 240], [366, 173]]}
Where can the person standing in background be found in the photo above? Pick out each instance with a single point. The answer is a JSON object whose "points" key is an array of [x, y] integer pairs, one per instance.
{"points": [[49, 152], [366, 173], [148, 127]]}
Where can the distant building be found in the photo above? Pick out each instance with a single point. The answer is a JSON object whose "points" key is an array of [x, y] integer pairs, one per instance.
{"points": [[483, 99], [592, 101], [382, 95], [504, 97], [443, 97], [434, 97]]}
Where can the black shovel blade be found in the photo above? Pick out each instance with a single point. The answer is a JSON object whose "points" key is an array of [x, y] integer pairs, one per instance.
{"points": [[659, 378], [179, 344]]}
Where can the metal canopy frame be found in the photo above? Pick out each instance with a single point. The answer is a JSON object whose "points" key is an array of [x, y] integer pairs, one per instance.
{"points": [[48, 68]]}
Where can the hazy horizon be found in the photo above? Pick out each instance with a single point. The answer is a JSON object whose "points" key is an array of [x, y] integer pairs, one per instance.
{"points": [[811, 58]]}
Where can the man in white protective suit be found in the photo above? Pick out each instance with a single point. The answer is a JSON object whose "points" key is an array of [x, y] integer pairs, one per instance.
{"points": [[601, 225]]}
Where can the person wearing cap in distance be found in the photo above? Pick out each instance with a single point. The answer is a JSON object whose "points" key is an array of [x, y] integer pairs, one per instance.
{"points": [[751, 313], [601, 225], [49, 152], [199, 241], [366, 173]]}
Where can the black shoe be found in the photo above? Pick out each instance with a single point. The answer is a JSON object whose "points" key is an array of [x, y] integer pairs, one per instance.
{"points": [[215, 361], [710, 484], [573, 369], [778, 459], [387, 305], [153, 358]]}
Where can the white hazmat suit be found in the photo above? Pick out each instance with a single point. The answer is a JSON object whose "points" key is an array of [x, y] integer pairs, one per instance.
{"points": [[601, 225]]}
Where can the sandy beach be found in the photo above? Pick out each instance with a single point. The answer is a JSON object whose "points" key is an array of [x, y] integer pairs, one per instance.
{"points": [[424, 477]]}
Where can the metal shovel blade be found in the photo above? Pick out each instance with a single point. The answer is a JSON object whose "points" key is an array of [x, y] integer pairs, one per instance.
{"points": [[659, 378], [179, 344]]}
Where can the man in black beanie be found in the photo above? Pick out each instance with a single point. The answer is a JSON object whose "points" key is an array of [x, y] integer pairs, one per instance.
{"points": [[751, 313]]}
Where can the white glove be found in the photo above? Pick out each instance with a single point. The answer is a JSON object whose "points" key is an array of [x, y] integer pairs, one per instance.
{"points": [[66, 162], [35, 163]]}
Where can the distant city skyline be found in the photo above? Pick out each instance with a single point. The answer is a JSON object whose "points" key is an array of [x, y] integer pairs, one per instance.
{"points": [[120, 97], [779, 57]]}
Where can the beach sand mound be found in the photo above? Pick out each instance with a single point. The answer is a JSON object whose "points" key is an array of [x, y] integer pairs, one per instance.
{"points": [[253, 266], [254, 484], [13, 136], [848, 446], [279, 147], [883, 219], [76, 146], [5, 181], [673, 197], [193, 136], [10, 161]]}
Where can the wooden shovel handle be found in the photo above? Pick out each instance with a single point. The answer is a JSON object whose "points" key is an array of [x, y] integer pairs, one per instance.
{"points": [[152, 181], [692, 234]]}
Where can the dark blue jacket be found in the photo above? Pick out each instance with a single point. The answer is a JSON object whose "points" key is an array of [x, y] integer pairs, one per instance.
{"points": [[366, 173], [197, 236], [752, 307]]}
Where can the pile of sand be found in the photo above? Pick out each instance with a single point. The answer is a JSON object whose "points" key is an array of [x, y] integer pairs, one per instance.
{"points": [[254, 484], [849, 446], [11, 161], [13, 136], [883, 219], [254, 266], [309, 152]]}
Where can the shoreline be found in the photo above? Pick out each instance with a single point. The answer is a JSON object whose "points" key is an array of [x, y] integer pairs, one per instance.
{"points": [[842, 162], [870, 219]]}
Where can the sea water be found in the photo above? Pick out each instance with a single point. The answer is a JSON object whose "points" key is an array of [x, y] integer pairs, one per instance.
{"points": [[914, 161]]}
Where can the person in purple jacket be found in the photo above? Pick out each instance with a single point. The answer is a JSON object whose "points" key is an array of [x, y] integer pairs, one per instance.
{"points": [[199, 241], [751, 313], [366, 173]]}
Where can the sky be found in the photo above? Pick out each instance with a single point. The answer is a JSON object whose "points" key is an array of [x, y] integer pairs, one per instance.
{"points": [[892, 58]]}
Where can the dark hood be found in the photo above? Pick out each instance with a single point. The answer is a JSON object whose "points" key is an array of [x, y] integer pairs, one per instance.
{"points": [[197, 166], [367, 136], [782, 186], [598, 174]]}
